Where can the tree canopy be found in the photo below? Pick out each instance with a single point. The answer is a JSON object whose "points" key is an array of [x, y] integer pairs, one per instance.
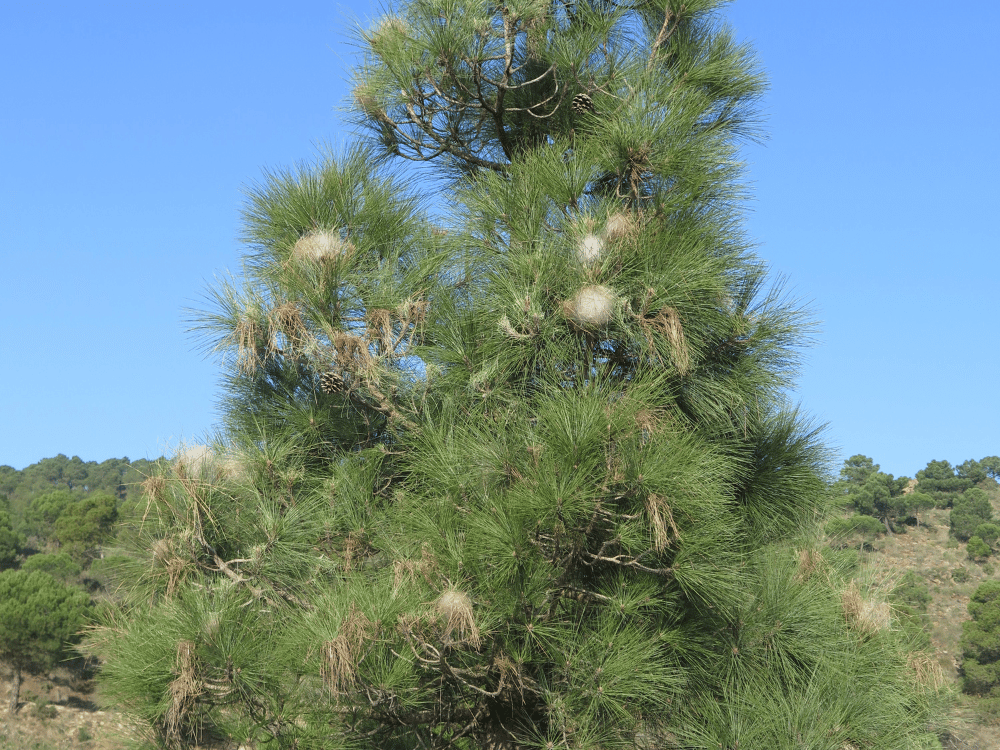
{"points": [[874, 493], [10, 541], [940, 481], [58, 565], [970, 509], [86, 523], [527, 476]]}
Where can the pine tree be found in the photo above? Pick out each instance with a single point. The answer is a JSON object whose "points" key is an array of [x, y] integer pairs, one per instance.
{"points": [[40, 618], [524, 476]]}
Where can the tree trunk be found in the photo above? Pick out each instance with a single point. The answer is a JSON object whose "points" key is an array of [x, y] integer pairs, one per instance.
{"points": [[15, 690]]}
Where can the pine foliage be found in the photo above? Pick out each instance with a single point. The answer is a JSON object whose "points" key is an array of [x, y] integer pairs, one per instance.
{"points": [[525, 478]]}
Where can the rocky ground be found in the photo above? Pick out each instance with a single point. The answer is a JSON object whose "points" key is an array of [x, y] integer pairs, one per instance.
{"points": [[58, 711]]}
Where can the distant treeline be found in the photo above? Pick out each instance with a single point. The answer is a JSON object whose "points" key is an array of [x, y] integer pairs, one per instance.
{"points": [[65, 504], [886, 503], [116, 476]]}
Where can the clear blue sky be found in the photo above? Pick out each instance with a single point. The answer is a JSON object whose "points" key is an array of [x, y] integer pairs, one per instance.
{"points": [[127, 131]]}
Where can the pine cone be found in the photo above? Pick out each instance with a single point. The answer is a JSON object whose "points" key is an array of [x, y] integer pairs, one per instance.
{"points": [[582, 103], [330, 382]]}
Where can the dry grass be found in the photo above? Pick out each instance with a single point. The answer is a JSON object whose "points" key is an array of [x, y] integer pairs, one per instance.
{"points": [[810, 561], [866, 614], [184, 692], [668, 323], [925, 550]]}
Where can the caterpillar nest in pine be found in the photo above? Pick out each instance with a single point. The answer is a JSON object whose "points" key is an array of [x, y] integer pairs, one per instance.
{"points": [[591, 307], [592, 245], [455, 608], [365, 100], [195, 460], [389, 32], [589, 249], [619, 226], [320, 246]]}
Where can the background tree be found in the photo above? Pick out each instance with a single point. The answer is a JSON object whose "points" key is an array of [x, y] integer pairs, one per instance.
{"points": [[977, 549], [58, 565], [39, 617], [116, 476], [44, 510], [874, 493], [528, 477], [980, 669], [8, 481], [883, 497], [10, 541], [920, 501], [855, 472], [86, 523], [970, 509], [939, 481], [971, 470], [991, 464], [988, 532]]}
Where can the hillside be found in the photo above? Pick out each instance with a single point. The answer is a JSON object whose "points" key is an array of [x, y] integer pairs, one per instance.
{"points": [[942, 563], [926, 549], [66, 710]]}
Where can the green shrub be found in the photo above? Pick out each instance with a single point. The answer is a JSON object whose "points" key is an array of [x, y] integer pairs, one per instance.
{"points": [[58, 565], [911, 592], [960, 575], [910, 599], [980, 643], [977, 548], [44, 710], [988, 711], [857, 527], [988, 532], [84, 735]]}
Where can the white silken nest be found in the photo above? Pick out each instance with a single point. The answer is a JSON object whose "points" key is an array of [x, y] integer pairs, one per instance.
{"points": [[619, 226], [592, 306], [455, 607], [389, 34], [589, 249], [195, 460], [319, 246]]}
